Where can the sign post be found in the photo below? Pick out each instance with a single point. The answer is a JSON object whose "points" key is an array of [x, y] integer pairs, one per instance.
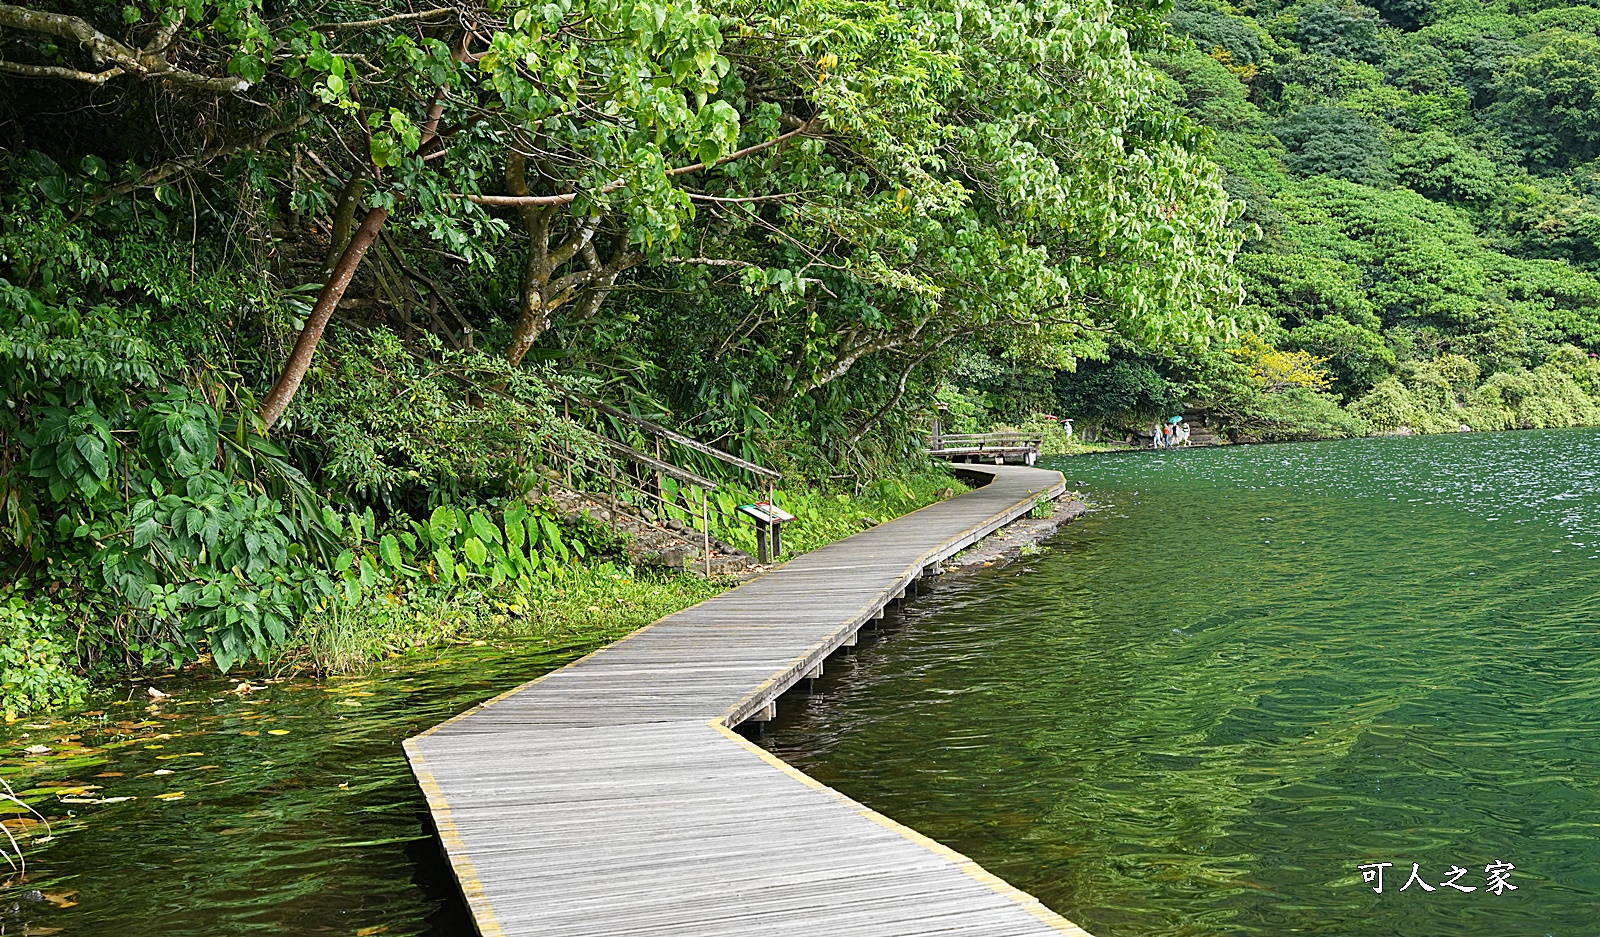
{"points": [[769, 520]]}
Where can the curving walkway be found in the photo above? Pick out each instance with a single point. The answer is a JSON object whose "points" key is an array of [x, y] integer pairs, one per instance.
{"points": [[610, 797]]}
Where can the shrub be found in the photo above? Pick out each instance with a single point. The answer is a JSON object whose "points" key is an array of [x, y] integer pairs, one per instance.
{"points": [[1387, 406], [1297, 413], [35, 657]]}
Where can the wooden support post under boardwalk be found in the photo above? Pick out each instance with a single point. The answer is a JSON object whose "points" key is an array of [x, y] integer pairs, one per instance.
{"points": [[612, 797]]}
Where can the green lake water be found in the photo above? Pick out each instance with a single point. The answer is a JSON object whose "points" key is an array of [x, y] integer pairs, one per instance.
{"points": [[1249, 672], [297, 812]]}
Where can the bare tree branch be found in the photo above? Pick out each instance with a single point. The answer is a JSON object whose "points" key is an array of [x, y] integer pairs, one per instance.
{"points": [[517, 201], [899, 392], [699, 197], [747, 150], [55, 71], [435, 14], [171, 168], [848, 360], [149, 62]]}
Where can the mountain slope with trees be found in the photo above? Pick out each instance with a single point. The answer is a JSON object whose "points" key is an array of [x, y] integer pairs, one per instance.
{"points": [[1419, 183]]}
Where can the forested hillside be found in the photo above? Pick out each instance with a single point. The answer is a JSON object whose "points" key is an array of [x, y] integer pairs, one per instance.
{"points": [[294, 295], [1420, 188]]}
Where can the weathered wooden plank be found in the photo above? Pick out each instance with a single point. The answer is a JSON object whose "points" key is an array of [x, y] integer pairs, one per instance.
{"points": [[610, 797]]}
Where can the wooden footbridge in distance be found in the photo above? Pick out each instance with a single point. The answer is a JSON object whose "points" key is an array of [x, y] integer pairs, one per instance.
{"points": [[612, 797]]}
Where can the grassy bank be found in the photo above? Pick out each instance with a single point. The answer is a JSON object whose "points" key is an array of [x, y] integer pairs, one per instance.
{"points": [[568, 587]]}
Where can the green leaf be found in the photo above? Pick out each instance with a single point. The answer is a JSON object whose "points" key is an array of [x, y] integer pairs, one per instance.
{"points": [[473, 548], [94, 456], [55, 188], [484, 528], [441, 524], [389, 549]]}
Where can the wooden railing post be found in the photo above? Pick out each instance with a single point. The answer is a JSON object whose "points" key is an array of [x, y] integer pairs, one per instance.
{"points": [[705, 529], [658, 472], [567, 413], [611, 470]]}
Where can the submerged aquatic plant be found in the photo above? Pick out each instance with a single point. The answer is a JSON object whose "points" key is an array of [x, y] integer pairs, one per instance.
{"points": [[13, 854]]}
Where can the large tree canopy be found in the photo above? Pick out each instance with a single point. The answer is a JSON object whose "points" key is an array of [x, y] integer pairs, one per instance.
{"points": [[285, 278], [886, 178]]}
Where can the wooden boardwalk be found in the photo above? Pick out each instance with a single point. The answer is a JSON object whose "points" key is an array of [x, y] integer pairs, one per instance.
{"points": [[611, 797]]}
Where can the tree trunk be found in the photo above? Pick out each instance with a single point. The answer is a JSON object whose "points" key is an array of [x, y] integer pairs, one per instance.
{"points": [[344, 218], [534, 317], [294, 370]]}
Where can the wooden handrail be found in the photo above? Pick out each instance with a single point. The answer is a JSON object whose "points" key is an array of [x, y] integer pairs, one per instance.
{"points": [[678, 438], [665, 468]]}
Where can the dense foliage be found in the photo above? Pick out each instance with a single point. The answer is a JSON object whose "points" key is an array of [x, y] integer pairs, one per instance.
{"points": [[1418, 180], [292, 295]]}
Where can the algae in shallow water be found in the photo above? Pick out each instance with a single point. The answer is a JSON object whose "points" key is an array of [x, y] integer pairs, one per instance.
{"points": [[1251, 672]]}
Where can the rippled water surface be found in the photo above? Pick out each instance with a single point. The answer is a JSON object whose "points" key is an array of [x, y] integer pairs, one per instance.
{"points": [[288, 810], [1251, 671]]}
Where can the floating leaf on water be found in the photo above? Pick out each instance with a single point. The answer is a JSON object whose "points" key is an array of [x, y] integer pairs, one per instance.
{"points": [[79, 789], [61, 899], [37, 749], [110, 774], [249, 732], [369, 931], [277, 731], [171, 795], [160, 771]]}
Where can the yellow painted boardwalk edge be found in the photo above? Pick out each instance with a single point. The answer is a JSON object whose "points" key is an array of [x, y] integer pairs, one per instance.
{"points": [[477, 898], [970, 867]]}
